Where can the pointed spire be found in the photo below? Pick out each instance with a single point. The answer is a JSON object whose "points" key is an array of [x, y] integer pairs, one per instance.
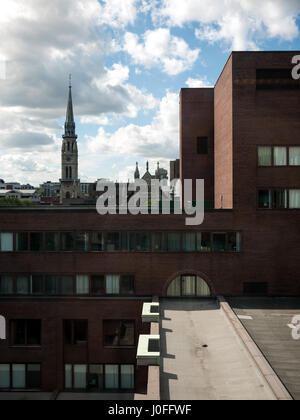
{"points": [[70, 123], [137, 172], [147, 166]]}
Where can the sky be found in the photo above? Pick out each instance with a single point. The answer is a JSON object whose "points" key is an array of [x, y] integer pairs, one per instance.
{"points": [[128, 60]]}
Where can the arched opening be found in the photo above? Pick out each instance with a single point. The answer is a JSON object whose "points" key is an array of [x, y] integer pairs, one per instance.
{"points": [[70, 172], [68, 195], [188, 285]]}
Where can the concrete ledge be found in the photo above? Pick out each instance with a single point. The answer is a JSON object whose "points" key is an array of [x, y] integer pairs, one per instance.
{"points": [[148, 315], [144, 356], [267, 371]]}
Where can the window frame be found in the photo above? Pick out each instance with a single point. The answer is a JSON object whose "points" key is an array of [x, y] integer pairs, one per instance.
{"points": [[26, 376], [26, 345], [119, 346]]}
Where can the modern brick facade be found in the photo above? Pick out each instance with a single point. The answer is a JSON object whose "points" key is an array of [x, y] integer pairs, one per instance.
{"points": [[235, 118]]}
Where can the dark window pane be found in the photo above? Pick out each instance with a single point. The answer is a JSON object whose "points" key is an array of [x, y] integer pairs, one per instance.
{"points": [[95, 378], [36, 241], [157, 241], [256, 289], [33, 376], [264, 156], [219, 241], [264, 199], [111, 333], [279, 199], [127, 241], [67, 285], [6, 285], [67, 241], [34, 332], [127, 285], [51, 285], [97, 241], [127, 333], [202, 145], [22, 285], [18, 332], [189, 242], [98, 285], [80, 331], [37, 285], [51, 241], [68, 327], [142, 242], [233, 242], [203, 242], [82, 241], [113, 241], [174, 242], [22, 241]]}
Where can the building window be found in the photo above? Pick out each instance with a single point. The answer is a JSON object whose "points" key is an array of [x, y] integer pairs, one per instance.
{"points": [[67, 241], [264, 156], [294, 199], [142, 242], [158, 241], [188, 286], [22, 285], [234, 242], [202, 145], [280, 156], [112, 284], [22, 241], [6, 285], [128, 241], [67, 285], [98, 285], [219, 242], [82, 241], [189, 242], [36, 241], [82, 285], [76, 332], [25, 332], [113, 241], [264, 199], [52, 241], [97, 241], [51, 285], [294, 156], [95, 378], [255, 289], [118, 333], [127, 285], [36, 285], [6, 242], [174, 242], [20, 376], [203, 242]]}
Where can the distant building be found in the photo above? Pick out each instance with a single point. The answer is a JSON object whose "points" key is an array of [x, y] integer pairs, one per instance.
{"points": [[50, 189], [175, 169], [30, 195]]}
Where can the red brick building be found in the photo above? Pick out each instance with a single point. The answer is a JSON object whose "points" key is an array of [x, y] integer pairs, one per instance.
{"points": [[72, 283]]}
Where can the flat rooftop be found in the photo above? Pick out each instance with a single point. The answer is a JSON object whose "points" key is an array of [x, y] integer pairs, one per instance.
{"points": [[269, 322], [202, 357]]}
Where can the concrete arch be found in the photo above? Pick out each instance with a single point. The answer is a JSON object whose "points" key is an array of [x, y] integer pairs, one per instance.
{"points": [[189, 272]]}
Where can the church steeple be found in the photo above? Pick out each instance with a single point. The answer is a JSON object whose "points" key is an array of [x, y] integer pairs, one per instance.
{"points": [[70, 123]]}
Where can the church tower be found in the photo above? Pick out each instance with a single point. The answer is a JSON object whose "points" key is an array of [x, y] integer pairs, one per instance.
{"points": [[69, 183]]}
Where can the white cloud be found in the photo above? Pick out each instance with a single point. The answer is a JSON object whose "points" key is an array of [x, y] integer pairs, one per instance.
{"points": [[198, 83], [159, 139], [118, 13], [240, 24], [160, 49]]}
